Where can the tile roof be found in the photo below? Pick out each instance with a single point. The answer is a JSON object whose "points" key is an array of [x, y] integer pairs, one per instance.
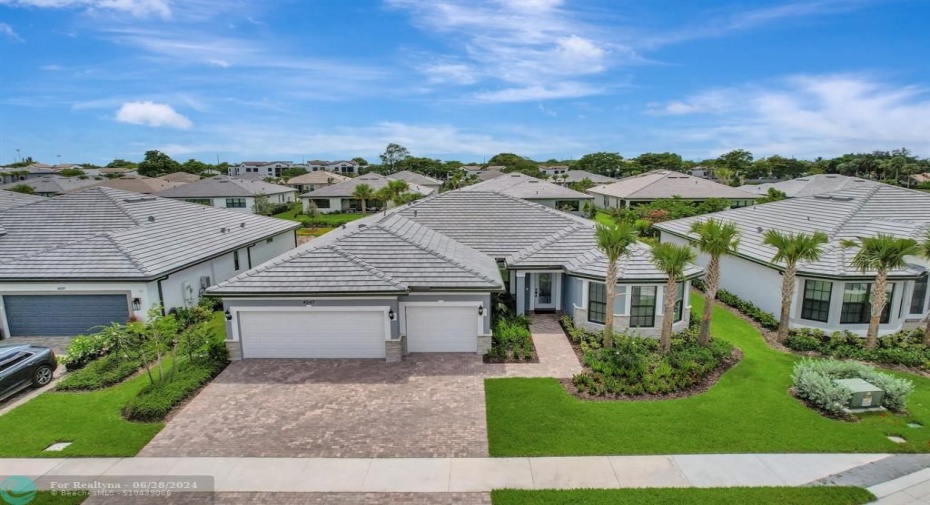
{"points": [[345, 189], [223, 186], [10, 199], [54, 184], [180, 177], [861, 210], [104, 233], [658, 184], [526, 187], [810, 185], [318, 177], [487, 175], [580, 175], [415, 178], [136, 184]]}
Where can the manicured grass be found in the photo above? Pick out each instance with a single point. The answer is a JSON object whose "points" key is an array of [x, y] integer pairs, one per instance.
{"points": [[329, 220], [604, 218], [290, 215], [687, 496], [748, 410], [314, 232]]}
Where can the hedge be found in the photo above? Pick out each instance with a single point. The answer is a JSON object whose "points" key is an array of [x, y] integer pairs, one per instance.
{"points": [[104, 372], [155, 401], [902, 348]]}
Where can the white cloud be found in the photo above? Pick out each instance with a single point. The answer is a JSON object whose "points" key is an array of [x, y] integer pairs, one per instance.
{"points": [[808, 115], [566, 89], [7, 31], [151, 114], [138, 8]]}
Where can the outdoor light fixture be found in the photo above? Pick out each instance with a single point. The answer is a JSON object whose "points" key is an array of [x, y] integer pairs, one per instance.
{"points": [[228, 315], [481, 310], [391, 314], [136, 304]]}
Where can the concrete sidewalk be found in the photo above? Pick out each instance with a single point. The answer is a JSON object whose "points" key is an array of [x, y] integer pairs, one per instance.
{"points": [[444, 475], [913, 489]]}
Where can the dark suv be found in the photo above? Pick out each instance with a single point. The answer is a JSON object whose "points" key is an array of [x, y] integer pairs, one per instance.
{"points": [[23, 365]]}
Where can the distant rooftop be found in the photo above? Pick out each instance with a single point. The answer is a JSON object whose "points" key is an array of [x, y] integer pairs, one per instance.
{"points": [[223, 186], [658, 184], [810, 185], [528, 188]]}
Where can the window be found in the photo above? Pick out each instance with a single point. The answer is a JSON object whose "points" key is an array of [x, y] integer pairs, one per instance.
{"points": [[919, 296], [679, 300], [816, 304], [643, 307], [856, 304], [236, 260], [13, 360], [571, 205], [235, 203], [321, 203], [202, 201], [597, 302]]}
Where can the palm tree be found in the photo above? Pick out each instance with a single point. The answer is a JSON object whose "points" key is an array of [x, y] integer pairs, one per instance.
{"points": [[881, 253], [715, 238], [614, 241], [393, 192], [790, 248], [925, 252], [363, 193], [672, 259]]}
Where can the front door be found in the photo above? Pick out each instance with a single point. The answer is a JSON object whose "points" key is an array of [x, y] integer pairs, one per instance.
{"points": [[543, 291]]}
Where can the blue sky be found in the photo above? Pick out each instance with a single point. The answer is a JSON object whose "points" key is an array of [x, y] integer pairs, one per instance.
{"points": [[93, 80]]}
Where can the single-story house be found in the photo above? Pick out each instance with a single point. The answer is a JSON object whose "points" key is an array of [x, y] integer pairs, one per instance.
{"points": [[54, 185], [809, 185], [535, 190], [340, 197], [419, 278], [574, 176], [13, 175], [136, 184], [659, 184], [830, 293], [10, 199], [230, 193], [78, 261], [487, 175], [414, 178], [315, 180], [182, 177]]}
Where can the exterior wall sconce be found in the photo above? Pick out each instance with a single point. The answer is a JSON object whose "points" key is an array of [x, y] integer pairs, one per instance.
{"points": [[228, 315], [391, 314], [136, 304], [481, 310]]}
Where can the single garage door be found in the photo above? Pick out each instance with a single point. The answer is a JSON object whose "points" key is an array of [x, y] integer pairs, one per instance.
{"points": [[312, 334], [62, 315], [441, 328]]}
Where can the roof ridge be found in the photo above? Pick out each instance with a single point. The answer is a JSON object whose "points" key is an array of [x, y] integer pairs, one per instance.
{"points": [[119, 202], [367, 266], [436, 253], [858, 207], [540, 244]]}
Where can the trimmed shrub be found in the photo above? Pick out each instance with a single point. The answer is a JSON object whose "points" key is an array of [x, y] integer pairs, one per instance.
{"points": [[155, 401], [104, 372], [813, 380], [901, 348], [85, 348], [511, 340]]}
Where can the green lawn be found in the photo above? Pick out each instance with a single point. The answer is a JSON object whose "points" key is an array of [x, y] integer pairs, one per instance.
{"points": [[328, 220], [48, 498], [604, 218], [748, 410], [688, 496]]}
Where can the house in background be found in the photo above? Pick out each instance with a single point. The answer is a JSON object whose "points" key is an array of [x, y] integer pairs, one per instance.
{"points": [[116, 171], [82, 260], [419, 278], [414, 178], [54, 185], [182, 177], [340, 197], [10, 175], [661, 184], [576, 176], [809, 185], [830, 294], [343, 167], [10, 199], [261, 169], [230, 193], [136, 184], [314, 180], [549, 171], [534, 190]]}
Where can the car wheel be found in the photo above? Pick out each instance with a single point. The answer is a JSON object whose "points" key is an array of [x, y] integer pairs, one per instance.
{"points": [[42, 376]]}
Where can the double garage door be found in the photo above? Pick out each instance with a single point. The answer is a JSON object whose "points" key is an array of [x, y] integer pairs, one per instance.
{"points": [[62, 315], [318, 333]]}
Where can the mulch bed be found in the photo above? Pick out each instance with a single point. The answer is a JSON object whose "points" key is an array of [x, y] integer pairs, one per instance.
{"points": [[534, 358]]}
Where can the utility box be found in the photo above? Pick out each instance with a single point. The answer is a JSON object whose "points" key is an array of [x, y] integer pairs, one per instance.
{"points": [[864, 394]]}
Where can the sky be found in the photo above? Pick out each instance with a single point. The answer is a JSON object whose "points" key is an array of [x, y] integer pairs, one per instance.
{"points": [[235, 80]]}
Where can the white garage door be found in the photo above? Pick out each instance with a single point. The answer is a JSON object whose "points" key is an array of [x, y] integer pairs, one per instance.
{"points": [[312, 334], [442, 328]]}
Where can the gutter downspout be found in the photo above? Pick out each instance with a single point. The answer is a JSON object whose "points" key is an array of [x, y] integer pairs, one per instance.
{"points": [[161, 294]]}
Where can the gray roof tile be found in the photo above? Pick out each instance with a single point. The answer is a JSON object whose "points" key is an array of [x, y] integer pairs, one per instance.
{"points": [[10, 199], [528, 188], [810, 185], [658, 184], [223, 186]]}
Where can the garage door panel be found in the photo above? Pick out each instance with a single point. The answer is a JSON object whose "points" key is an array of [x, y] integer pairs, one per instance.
{"points": [[313, 334], [441, 328], [63, 315]]}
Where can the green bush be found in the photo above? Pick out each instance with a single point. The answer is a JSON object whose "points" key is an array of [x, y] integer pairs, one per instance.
{"points": [[155, 401], [813, 380], [902, 348], [104, 372], [511, 340], [189, 316], [85, 348]]}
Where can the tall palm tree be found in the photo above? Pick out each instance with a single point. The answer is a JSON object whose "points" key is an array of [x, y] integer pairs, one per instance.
{"points": [[614, 241], [881, 253], [673, 260], [393, 192], [925, 252], [790, 248], [715, 238], [363, 193]]}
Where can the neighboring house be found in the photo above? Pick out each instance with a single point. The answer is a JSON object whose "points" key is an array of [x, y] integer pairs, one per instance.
{"points": [[314, 180], [420, 278], [661, 184], [262, 168], [76, 262], [477, 169], [54, 185], [417, 179], [230, 193], [340, 197], [487, 175], [182, 177], [10, 199], [14, 175], [534, 190], [920, 178], [116, 171], [810, 185], [343, 167], [703, 172], [549, 171], [830, 294], [575, 176], [136, 184]]}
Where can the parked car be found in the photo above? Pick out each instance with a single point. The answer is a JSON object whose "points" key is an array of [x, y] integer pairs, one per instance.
{"points": [[22, 366]]}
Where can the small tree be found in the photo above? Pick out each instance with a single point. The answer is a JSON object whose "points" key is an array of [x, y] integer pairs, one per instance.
{"points": [[673, 260], [715, 238], [363, 193], [312, 210], [614, 241], [155, 339], [790, 249], [262, 205]]}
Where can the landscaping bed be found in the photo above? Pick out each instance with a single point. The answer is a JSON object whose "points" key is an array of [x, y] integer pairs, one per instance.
{"points": [[686, 496], [813, 382], [511, 341], [904, 348]]}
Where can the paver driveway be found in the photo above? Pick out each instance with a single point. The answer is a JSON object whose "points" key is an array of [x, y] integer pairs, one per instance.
{"points": [[429, 405]]}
